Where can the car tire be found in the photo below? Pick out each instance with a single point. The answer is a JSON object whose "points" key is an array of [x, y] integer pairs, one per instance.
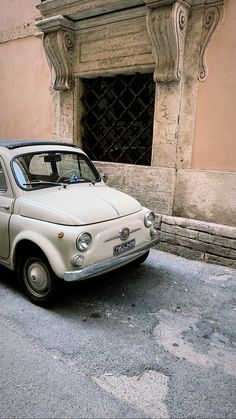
{"points": [[38, 281]]}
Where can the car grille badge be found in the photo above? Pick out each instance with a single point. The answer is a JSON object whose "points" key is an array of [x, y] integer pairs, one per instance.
{"points": [[124, 233]]}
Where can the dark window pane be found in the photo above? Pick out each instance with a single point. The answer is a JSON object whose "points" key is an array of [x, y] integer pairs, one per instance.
{"points": [[117, 123]]}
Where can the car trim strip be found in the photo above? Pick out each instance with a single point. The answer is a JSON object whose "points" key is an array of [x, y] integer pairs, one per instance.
{"points": [[118, 235]]}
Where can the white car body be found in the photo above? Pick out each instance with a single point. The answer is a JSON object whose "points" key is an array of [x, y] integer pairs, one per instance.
{"points": [[52, 218]]}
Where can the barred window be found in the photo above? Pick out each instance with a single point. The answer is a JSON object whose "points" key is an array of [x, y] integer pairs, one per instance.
{"points": [[117, 122]]}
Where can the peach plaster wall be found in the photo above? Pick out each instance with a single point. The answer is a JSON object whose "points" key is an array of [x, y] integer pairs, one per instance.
{"points": [[214, 145], [25, 101], [17, 12], [26, 104]]}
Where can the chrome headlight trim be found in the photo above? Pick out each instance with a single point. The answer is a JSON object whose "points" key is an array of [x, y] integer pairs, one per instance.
{"points": [[149, 219], [83, 241]]}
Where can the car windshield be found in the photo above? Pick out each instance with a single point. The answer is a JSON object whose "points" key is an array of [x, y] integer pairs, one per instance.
{"points": [[47, 169]]}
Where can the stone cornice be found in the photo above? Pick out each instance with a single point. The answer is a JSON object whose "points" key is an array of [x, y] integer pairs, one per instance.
{"points": [[167, 28], [83, 9], [77, 9], [187, 3], [54, 23], [167, 22], [213, 14], [58, 41]]}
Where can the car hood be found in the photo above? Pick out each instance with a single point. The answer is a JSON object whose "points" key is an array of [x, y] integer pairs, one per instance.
{"points": [[77, 205]]}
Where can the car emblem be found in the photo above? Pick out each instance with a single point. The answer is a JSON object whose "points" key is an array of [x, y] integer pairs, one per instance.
{"points": [[124, 233]]}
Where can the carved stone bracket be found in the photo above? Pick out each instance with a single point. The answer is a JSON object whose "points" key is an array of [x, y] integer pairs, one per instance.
{"points": [[58, 41], [167, 29], [211, 18]]}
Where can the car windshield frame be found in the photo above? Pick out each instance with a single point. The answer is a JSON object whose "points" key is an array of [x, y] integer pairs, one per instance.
{"points": [[28, 181]]}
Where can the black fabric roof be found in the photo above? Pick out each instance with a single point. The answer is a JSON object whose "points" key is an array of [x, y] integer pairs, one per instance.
{"points": [[11, 144]]}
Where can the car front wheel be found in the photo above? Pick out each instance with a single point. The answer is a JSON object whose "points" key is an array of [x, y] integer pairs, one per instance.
{"points": [[38, 281]]}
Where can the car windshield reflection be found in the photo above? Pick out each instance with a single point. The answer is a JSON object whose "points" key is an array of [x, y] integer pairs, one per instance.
{"points": [[48, 169]]}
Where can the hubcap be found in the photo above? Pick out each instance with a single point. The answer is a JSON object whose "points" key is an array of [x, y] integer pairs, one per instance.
{"points": [[37, 278]]}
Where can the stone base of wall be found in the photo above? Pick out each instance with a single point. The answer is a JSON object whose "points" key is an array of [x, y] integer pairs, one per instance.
{"points": [[193, 239]]}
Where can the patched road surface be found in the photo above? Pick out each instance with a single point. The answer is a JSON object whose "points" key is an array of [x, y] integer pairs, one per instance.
{"points": [[156, 341]]}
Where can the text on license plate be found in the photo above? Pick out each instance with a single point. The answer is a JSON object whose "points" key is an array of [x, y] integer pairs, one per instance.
{"points": [[123, 247]]}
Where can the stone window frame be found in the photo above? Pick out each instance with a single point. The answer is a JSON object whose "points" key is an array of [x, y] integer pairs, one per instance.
{"points": [[172, 25]]}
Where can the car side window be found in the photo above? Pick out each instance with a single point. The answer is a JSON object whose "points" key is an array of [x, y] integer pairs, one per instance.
{"points": [[20, 172], [3, 182]]}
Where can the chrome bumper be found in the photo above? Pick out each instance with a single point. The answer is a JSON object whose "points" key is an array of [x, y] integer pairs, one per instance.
{"points": [[111, 264]]}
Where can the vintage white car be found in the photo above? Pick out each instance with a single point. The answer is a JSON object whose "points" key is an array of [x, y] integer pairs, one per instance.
{"points": [[60, 221]]}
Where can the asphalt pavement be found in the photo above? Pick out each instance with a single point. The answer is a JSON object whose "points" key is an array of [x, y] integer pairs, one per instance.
{"points": [[156, 341]]}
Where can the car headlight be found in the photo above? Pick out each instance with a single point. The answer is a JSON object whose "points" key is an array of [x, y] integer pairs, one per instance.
{"points": [[149, 219], [83, 242]]}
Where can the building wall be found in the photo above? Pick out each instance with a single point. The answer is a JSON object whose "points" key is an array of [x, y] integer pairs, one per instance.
{"points": [[193, 170], [191, 182], [207, 189], [26, 103], [214, 145], [15, 13], [193, 159]]}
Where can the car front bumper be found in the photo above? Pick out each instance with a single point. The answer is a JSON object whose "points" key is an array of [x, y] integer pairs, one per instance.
{"points": [[115, 262]]}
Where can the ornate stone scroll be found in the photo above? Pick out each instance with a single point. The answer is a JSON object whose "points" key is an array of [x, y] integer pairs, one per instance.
{"points": [[58, 41], [211, 18], [167, 29]]}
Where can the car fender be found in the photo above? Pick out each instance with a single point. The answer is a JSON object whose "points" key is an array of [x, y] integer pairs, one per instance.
{"points": [[52, 253]]}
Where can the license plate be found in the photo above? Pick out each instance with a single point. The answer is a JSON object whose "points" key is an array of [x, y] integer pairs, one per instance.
{"points": [[123, 247]]}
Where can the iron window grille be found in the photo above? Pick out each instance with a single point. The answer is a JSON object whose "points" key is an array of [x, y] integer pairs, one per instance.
{"points": [[117, 121]]}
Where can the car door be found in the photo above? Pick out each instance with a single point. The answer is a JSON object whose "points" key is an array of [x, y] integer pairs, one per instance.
{"points": [[6, 201]]}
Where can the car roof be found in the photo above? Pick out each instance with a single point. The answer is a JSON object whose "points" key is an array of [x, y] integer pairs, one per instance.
{"points": [[12, 144]]}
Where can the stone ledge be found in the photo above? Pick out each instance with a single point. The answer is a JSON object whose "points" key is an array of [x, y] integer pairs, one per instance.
{"points": [[197, 240], [17, 32]]}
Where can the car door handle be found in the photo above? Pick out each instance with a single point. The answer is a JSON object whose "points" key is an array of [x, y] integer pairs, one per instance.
{"points": [[6, 207]]}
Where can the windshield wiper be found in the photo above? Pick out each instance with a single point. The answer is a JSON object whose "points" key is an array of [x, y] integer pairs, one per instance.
{"points": [[87, 179], [44, 182], [64, 184]]}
